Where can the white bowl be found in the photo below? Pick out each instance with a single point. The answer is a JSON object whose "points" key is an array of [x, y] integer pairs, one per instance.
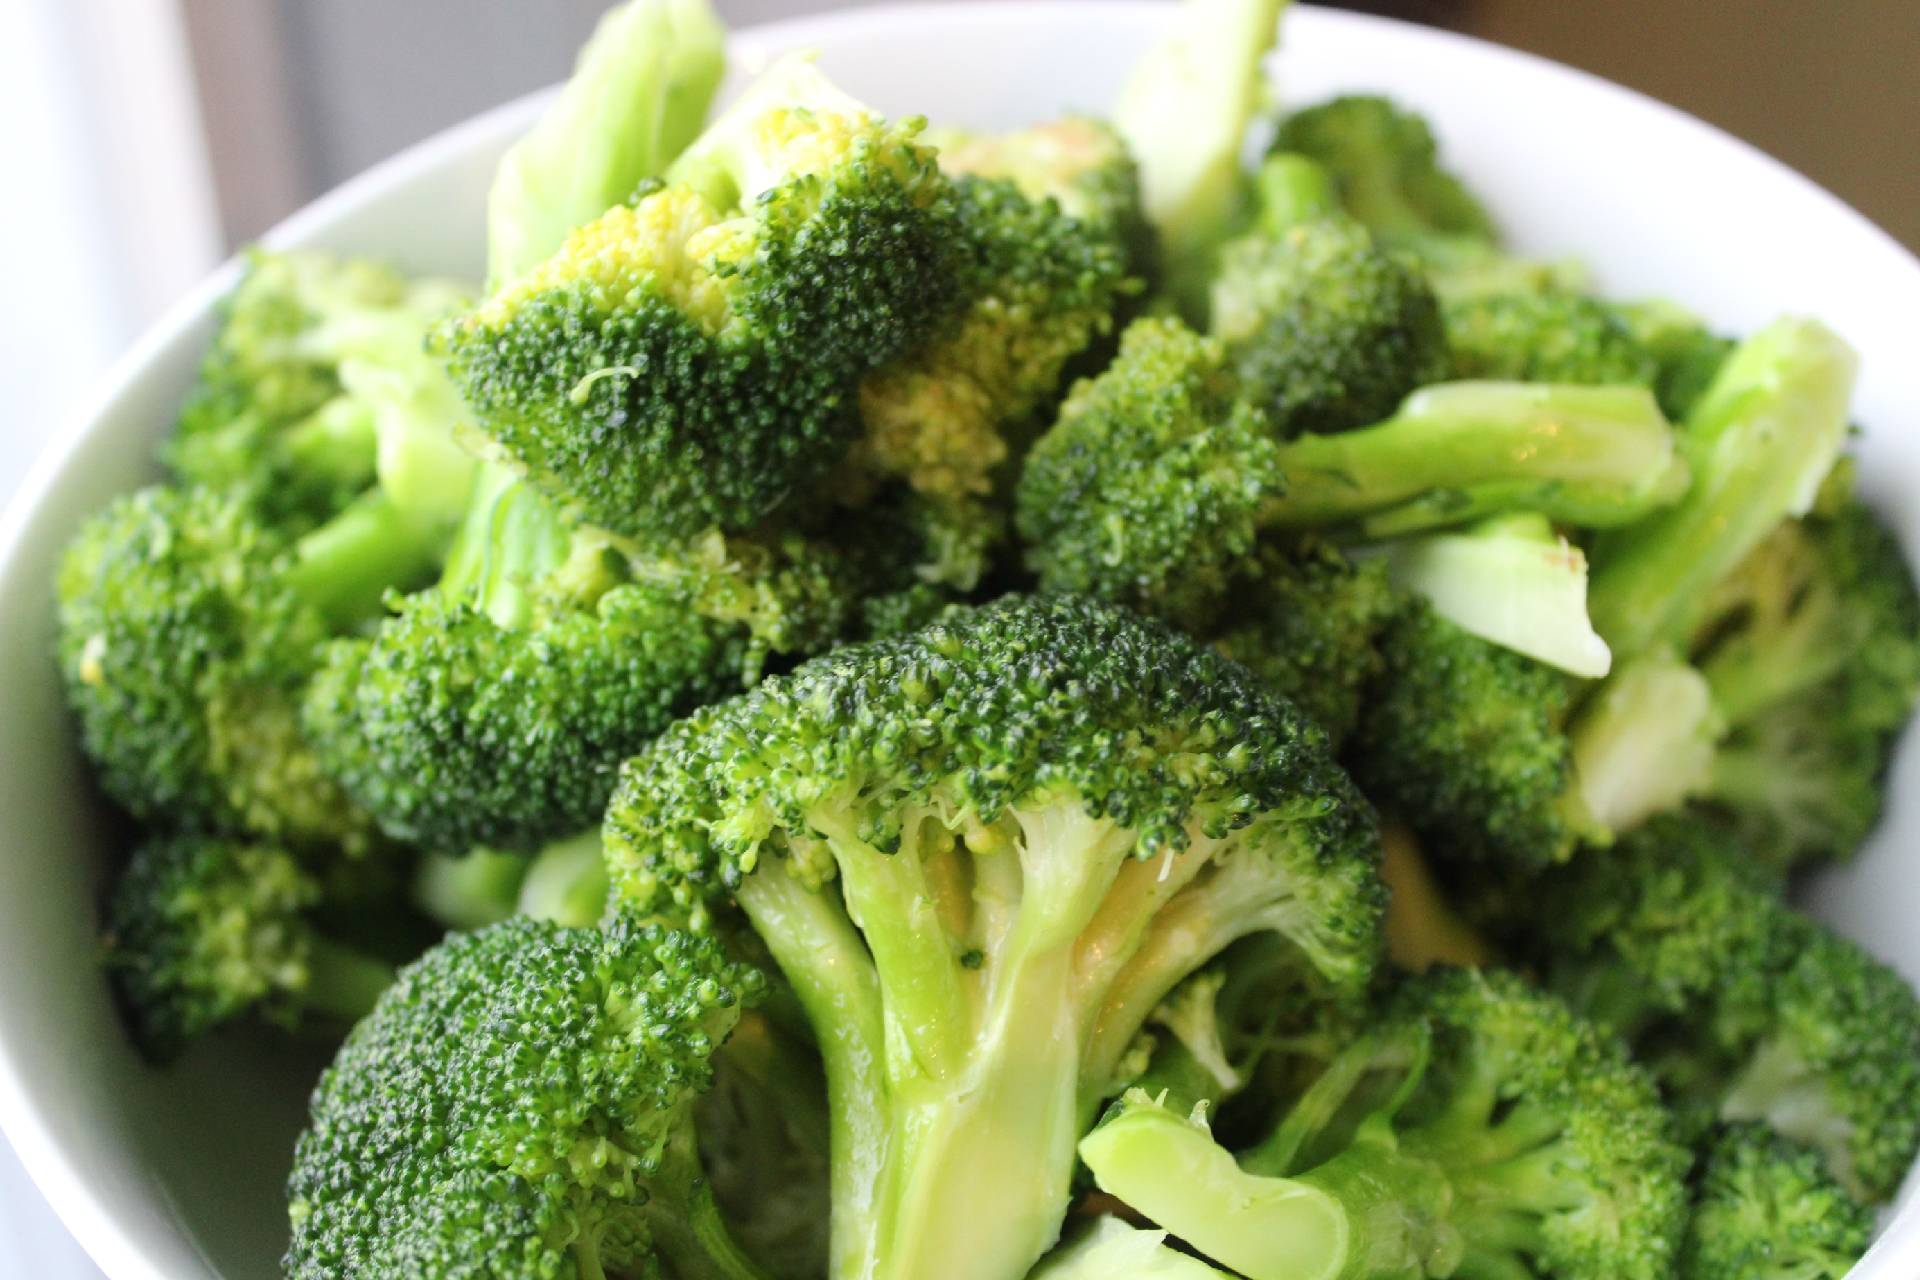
{"points": [[177, 1176]]}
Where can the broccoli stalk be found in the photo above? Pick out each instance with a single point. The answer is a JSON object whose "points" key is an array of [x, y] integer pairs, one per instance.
{"points": [[638, 95], [1479, 1130], [1109, 1249], [1184, 113], [1643, 742], [1759, 444], [982, 854]]}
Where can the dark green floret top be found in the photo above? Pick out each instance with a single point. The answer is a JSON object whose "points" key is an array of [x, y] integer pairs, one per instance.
{"points": [[519, 1106]]}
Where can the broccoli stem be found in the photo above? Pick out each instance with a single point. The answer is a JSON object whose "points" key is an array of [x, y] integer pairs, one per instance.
{"points": [[1759, 442], [342, 984], [692, 1232], [1643, 743], [1590, 456], [469, 890], [1749, 679], [510, 538], [336, 442], [344, 568], [1291, 189], [567, 882]]}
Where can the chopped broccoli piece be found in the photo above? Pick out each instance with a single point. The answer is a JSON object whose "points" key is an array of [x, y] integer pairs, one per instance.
{"points": [[520, 1102], [202, 930], [1109, 1249], [982, 854], [1517, 1140], [1545, 337], [1385, 163], [638, 95], [1326, 331], [690, 359], [1765, 1208], [1758, 443]]}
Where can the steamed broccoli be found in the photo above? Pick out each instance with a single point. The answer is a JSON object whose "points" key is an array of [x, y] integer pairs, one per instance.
{"points": [[1687, 355], [1109, 1249], [690, 359], [1157, 478], [520, 1103], [1546, 337], [1478, 1129], [982, 854], [1679, 940], [1765, 1208], [1325, 330], [201, 930], [494, 709]]}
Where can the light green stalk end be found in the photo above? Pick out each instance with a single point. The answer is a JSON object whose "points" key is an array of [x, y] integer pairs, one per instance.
{"points": [[638, 96], [1644, 742], [1112, 1250]]}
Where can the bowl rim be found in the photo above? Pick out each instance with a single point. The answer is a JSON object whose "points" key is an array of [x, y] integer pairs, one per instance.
{"points": [[81, 1208]]}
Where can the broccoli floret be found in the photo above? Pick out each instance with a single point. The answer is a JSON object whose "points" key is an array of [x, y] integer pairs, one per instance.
{"points": [[201, 931], [638, 95], [520, 1103], [690, 359], [1758, 444], [1184, 112], [1305, 620], [187, 633], [1679, 940], [1765, 1208], [1325, 330], [1110, 1249], [1157, 478], [1385, 163], [982, 854], [1517, 1140], [1546, 337], [495, 709], [1466, 741]]}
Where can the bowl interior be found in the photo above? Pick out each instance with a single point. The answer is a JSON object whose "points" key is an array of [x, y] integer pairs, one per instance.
{"points": [[177, 1176]]}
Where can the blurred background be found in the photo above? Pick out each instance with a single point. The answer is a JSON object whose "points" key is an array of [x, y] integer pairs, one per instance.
{"points": [[149, 138]]}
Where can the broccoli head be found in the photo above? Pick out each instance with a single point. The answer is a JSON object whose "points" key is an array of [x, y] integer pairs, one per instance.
{"points": [[1545, 337], [201, 931], [982, 854], [1765, 1208], [495, 709], [1480, 1129], [187, 632], [690, 359], [520, 1104], [1326, 330]]}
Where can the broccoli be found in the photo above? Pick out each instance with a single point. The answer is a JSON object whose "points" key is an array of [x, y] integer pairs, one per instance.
{"points": [[638, 95], [520, 1103], [1109, 1249], [690, 359], [315, 385], [1811, 648], [1157, 478], [982, 854], [1385, 165], [1479, 1130], [1758, 443], [187, 633], [1687, 355], [1423, 926], [1305, 619], [1546, 337], [495, 709], [1325, 330], [1764, 1208], [1746, 1010], [202, 930], [1184, 112], [565, 882]]}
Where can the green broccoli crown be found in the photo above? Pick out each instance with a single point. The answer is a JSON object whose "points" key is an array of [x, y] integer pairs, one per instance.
{"points": [[200, 931], [1466, 742], [1044, 266], [691, 358], [1478, 1129], [1386, 166], [1149, 487], [982, 854], [1545, 337], [1766, 1208], [1306, 622], [519, 1104], [184, 645], [495, 710], [1326, 330]]}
